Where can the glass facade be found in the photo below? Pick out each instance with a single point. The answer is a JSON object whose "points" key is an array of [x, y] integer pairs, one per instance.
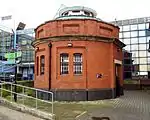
{"points": [[25, 67], [135, 33]]}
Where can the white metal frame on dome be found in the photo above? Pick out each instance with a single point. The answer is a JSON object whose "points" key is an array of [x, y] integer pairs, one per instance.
{"points": [[77, 8]]}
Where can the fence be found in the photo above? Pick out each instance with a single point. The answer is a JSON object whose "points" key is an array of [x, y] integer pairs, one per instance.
{"points": [[31, 97]]}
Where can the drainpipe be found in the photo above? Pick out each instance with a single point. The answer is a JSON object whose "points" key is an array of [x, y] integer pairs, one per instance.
{"points": [[50, 46]]}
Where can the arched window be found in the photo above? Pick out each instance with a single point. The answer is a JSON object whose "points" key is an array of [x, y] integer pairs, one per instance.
{"points": [[77, 63], [64, 63]]}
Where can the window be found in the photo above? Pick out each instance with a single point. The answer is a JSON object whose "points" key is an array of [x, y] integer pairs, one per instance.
{"points": [[127, 41], [134, 34], [126, 34], [77, 63], [120, 35], [141, 26], [141, 33], [134, 47], [126, 28], [42, 64], [133, 27], [37, 65], [64, 63], [134, 40], [142, 40]]}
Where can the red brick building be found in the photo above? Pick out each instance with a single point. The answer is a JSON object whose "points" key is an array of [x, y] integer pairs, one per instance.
{"points": [[78, 56]]}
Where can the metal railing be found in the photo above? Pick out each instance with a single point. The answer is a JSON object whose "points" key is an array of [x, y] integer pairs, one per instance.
{"points": [[35, 97]]}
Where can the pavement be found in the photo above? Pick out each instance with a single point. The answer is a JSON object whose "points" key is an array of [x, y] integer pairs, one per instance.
{"points": [[134, 105], [9, 114]]}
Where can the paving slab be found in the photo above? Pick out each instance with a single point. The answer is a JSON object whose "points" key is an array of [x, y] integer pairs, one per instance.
{"points": [[134, 105]]}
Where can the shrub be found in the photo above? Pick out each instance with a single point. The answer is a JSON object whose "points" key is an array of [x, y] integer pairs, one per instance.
{"points": [[28, 83]]}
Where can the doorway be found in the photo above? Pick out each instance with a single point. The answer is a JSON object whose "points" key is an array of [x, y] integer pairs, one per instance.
{"points": [[117, 79]]}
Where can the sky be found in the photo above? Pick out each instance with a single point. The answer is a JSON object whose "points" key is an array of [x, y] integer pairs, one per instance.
{"points": [[36, 12]]}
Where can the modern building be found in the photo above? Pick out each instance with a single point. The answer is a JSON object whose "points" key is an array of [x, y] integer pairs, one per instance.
{"points": [[25, 67], [78, 56], [135, 33]]}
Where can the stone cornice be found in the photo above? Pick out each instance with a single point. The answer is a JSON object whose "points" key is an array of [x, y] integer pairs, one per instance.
{"points": [[77, 38]]}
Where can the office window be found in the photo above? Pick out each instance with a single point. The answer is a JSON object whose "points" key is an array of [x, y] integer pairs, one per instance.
{"points": [[142, 53], [143, 60], [134, 40], [77, 63], [143, 67], [126, 34], [134, 34], [42, 64], [141, 33], [120, 35], [141, 26], [134, 47], [64, 63], [126, 28], [142, 46], [37, 65], [126, 41], [134, 27], [142, 40]]}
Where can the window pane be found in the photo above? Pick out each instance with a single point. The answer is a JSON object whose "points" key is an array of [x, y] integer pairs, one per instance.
{"points": [[135, 60], [126, 34], [77, 67], [64, 65], [143, 60], [143, 67], [142, 39], [126, 41], [141, 33], [126, 28], [134, 34], [148, 38], [134, 40], [134, 47], [42, 65], [135, 54], [142, 53], [37, 64], [142, 46], [120, 35], [133, 27], [147, 25], [141, 26]]}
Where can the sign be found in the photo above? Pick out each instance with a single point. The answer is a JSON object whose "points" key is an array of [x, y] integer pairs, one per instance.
{"points": [[13, 55], [6, 17], [25, 31]]}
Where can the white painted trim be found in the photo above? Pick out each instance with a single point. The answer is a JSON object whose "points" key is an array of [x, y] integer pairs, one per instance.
{"points": [[117, 61]]}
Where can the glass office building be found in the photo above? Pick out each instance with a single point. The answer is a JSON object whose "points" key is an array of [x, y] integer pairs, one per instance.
{"points": [[135, 33], [25, 67]]}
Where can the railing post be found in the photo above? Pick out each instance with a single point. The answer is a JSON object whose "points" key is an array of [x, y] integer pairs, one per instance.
{"points": [[36, 98], [23, 94], [11, 91], [52, 103]]}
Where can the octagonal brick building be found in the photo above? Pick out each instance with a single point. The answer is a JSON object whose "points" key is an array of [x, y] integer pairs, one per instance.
{"points": [[78, 56]]}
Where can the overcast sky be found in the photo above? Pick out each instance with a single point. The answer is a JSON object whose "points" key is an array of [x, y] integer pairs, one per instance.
{"points": [[35, 12]]}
